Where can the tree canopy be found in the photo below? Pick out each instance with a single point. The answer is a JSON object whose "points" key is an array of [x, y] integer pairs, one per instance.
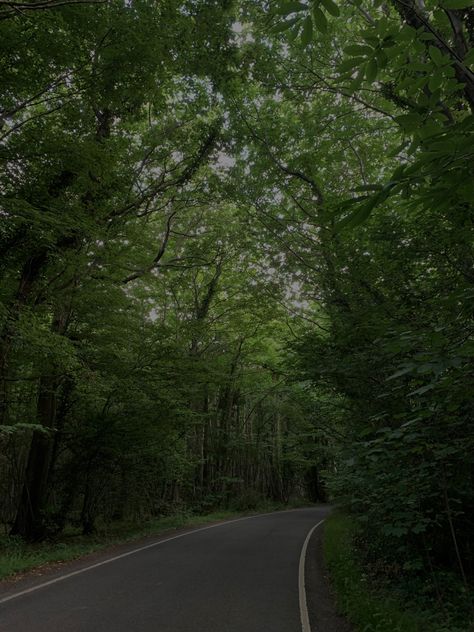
{"points": [[237, 263]]}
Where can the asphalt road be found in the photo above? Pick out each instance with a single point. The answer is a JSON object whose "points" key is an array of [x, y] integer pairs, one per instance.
{"points": [[238, 576]]}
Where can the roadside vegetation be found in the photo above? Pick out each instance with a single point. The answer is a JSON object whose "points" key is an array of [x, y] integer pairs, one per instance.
{"points": [[237, 266], [403, 603]]}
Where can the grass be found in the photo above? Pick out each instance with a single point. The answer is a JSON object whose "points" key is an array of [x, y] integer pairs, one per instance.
{"points": [[370, 607], [17, 556]]}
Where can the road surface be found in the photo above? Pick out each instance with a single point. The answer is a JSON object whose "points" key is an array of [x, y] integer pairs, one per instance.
{"points": [[244, 575]]}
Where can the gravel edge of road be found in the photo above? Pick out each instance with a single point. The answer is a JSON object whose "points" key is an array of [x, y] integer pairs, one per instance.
{"points": [[320, 599]]}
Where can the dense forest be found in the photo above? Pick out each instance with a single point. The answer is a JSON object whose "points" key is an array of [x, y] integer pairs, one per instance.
{"points": [[237, 264]]}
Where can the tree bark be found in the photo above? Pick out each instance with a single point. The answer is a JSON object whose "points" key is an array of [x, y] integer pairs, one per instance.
{"points": [[30, 521]]}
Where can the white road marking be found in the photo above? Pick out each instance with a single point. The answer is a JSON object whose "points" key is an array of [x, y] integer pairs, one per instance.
{"points": [[141, 548], [305, 625]]}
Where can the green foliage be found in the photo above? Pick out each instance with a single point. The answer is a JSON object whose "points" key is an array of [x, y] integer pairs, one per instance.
{"points": [[373, 606], [369, 148], [237, 263]]}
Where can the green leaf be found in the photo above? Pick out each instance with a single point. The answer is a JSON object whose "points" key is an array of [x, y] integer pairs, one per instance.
{"points": [[399, 373], [331, 7], [284, 26], [293, 34], [422, 389], [381, 57], [290, 7], [427, 37], [358, 49], [13, 428], [458, 4], [397, 150], [430, 128], [357, 217], [371, 69], [435, 81], [398, 174], [356, 83], [418, 66], [320, 20], [349, 64], [469, 59], [363, 212], [307, 34], [409, 122], [368, 187], [436, 55]]}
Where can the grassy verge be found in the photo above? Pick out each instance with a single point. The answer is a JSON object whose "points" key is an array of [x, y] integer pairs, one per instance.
{"points": [[370, 607], [16, 556]]}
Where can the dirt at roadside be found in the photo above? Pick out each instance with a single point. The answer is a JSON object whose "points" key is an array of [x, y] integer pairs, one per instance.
{"points": [[323, 615]]}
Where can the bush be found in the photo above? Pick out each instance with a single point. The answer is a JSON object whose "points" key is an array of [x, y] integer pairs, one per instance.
{"points": [[373, 605]]}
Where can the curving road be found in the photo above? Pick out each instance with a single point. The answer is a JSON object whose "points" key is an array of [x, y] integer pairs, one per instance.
{"points": [[244, 575]]}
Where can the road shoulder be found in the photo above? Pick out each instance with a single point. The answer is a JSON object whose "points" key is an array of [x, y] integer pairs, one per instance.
{"points": [[323, 614]]}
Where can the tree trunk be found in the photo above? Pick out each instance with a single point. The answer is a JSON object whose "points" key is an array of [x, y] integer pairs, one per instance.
{"points": [[29, 521], [30, 518]]}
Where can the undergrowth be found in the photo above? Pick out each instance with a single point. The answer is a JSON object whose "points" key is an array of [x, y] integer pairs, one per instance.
{"points": [[376, 605]]}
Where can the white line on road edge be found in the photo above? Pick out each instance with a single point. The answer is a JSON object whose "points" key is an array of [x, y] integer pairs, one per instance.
{"points": [[305, 625], [142, 548]]}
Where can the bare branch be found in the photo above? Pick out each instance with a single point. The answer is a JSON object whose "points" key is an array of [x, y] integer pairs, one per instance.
{"points": [[10, 8], [156, 261]]}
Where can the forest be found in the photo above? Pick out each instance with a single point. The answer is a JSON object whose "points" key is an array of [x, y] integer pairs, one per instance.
{"points": [[237, 267]]}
